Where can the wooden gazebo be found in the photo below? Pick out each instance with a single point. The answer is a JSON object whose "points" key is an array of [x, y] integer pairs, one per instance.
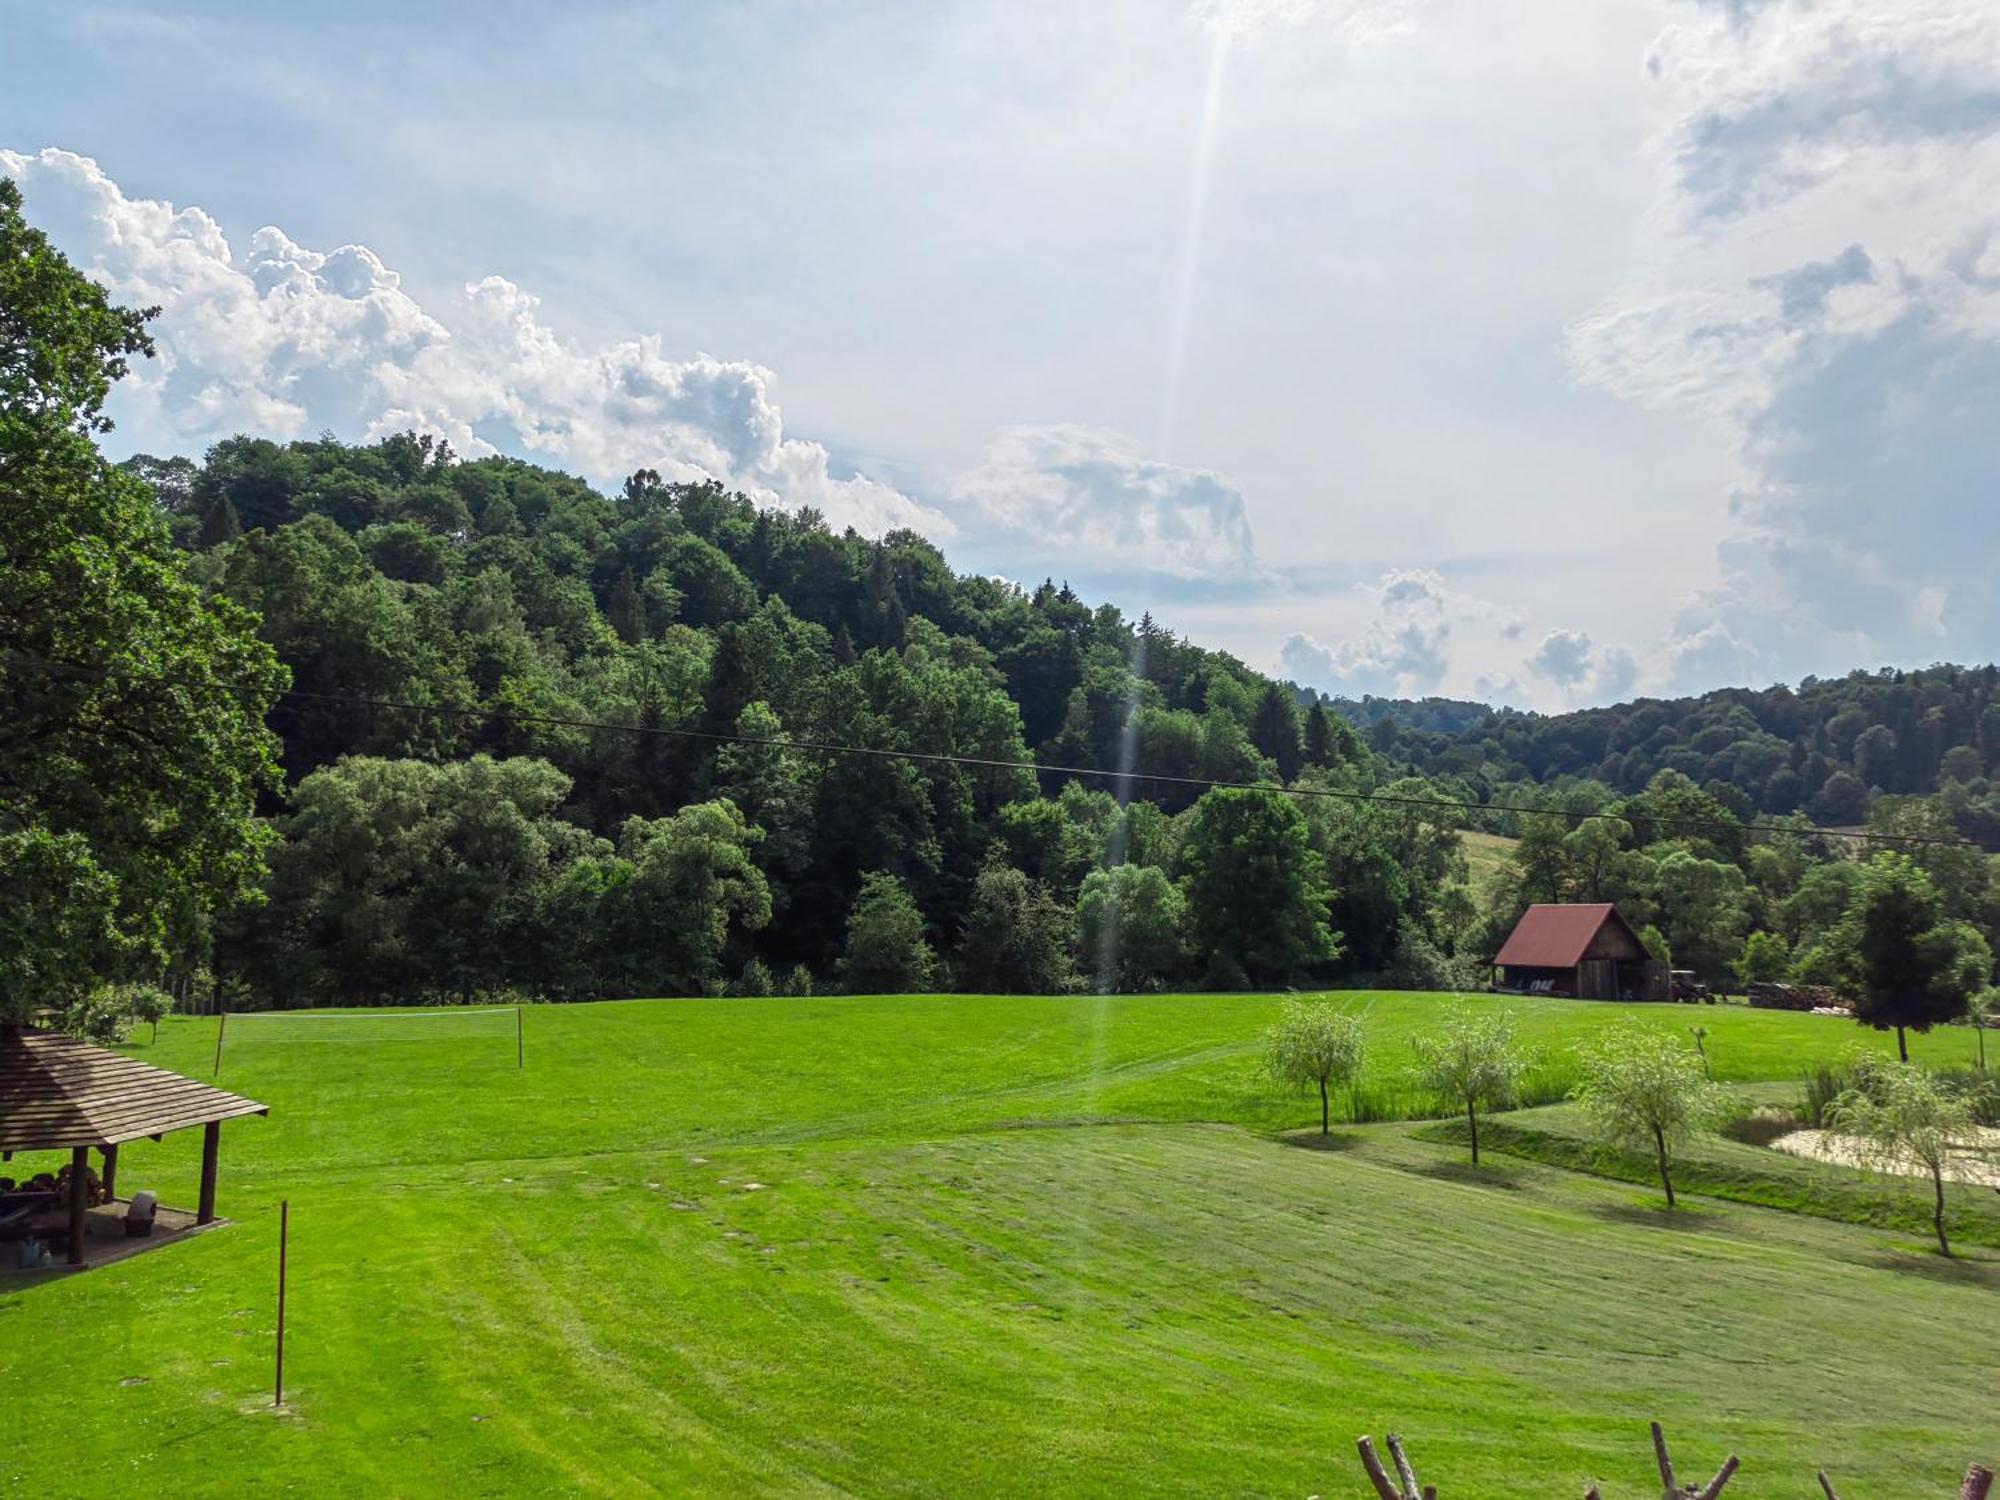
{"points": [[61, 1094]]}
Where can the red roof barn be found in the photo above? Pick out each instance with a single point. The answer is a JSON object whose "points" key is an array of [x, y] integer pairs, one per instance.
{"points": [[1582, 949]]}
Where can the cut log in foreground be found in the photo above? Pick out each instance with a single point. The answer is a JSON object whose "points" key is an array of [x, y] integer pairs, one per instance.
{"points": [[1977, 1486], [1978, 1479]]}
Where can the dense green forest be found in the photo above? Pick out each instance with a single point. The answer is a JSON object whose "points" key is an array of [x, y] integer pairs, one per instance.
{"points": [[541, 738], [329, 723], [1830, 748]]}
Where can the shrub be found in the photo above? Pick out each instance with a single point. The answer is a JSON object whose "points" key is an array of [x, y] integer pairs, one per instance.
{"points": [[102, 1015], [755, 980], [1420, 964]]}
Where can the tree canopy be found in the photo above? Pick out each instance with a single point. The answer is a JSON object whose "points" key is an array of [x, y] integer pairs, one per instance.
{"points": [[133, 750]]}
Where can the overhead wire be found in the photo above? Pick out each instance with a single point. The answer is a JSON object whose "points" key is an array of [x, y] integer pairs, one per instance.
{"points": [[941, 757]]}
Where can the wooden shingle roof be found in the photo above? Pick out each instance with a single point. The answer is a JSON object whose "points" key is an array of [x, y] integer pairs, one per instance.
{"points": [[57, 1093]]}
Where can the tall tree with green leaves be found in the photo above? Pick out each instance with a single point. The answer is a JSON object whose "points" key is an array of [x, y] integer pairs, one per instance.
{"points": [[1274, 730], [1017, 937], [132, 743], [1913, 972], [1320, 749], [695, 882], [886, 952], [1130, 922], [1256, 890]]}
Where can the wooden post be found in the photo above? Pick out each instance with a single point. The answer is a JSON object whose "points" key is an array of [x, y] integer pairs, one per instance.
{"points": [[79, 1200], [1978, 1483], [221, 1023], [520, 1043], [284, 1235], [110, 1173], [211, 1148]]}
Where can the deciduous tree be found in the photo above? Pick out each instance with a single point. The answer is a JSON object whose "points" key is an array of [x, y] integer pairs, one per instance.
{"points": [[1256, 891], [132, 746], [1471, 1061], [1314, 1046], [1906, 1118], [1131, 923], [1646, 1091], [886, 953]]}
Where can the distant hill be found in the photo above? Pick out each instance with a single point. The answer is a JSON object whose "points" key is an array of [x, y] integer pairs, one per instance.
{"points": [[1830, 748]]}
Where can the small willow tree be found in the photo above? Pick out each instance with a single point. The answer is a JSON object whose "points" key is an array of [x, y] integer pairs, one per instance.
{"points": [[1314, 1045], [1642, 1089], [1905, 1118], [1471, 1061]]}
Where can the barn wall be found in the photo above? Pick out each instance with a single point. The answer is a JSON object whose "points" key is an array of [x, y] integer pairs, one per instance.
{"points": [[1614, 941]]}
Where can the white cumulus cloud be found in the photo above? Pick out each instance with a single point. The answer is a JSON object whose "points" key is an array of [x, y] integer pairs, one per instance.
{"points": [[285, 341], [1827, 288], [1582, 669], [1404, 652], [1092, 493]]}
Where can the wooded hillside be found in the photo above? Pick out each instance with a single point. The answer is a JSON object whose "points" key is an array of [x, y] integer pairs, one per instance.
{"points": [[1829, 748], [543, 738]]}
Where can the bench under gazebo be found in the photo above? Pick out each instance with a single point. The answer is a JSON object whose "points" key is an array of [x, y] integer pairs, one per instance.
{"points": [[61, 1094]]}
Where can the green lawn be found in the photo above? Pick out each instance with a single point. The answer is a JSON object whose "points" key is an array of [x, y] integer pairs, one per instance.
{"points": [[996, 1246]]}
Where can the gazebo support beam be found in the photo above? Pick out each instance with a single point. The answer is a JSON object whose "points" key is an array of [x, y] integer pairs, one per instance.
{"points": [[79, 1200], [211, 1149], [110, 1173]]}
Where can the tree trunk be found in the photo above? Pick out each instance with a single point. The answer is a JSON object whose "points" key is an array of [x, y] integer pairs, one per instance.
{"points": [[1472, 1124], [1666, 1177], [1937, 1213], [1902, 1045], [1325, 1111]]}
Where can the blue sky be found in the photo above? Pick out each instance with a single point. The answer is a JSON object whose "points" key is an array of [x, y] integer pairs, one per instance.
{"points": [[1546, 354]]}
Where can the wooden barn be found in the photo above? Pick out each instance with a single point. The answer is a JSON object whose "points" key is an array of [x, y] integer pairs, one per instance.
{"points": [[1584, 950]]}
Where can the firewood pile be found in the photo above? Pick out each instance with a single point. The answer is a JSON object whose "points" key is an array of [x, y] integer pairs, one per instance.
{"points": [[1766, 994], [1404, 1485]]}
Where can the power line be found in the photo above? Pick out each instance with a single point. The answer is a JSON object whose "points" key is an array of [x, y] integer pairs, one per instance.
{"points": [[936, 757], [829, 747]]}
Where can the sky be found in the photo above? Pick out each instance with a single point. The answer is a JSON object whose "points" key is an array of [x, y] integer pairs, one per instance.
{"points": [[1545, 354]]}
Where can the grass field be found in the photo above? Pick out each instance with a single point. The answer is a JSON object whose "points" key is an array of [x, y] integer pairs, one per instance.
{"points": [[966, 1245], [1485, 853]]}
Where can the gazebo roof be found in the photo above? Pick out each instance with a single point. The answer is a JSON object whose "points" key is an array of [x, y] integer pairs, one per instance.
{"points": [[57, 1093]]}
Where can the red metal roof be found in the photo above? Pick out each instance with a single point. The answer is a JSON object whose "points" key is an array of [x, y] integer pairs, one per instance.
{"points": [[1556, 936]]}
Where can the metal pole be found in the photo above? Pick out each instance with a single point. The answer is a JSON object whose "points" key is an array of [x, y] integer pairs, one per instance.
{"points": [[221, 1022], [284, 1236], [520, 1043]]}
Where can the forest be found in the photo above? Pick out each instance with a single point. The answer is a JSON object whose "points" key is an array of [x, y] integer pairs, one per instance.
{"points": [[1830, 748], [544, 739], [319, 722]]}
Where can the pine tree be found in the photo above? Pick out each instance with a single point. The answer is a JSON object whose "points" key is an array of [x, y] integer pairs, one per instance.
{"points": [[1274, 730], [1319, 736], [625, 609]]}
